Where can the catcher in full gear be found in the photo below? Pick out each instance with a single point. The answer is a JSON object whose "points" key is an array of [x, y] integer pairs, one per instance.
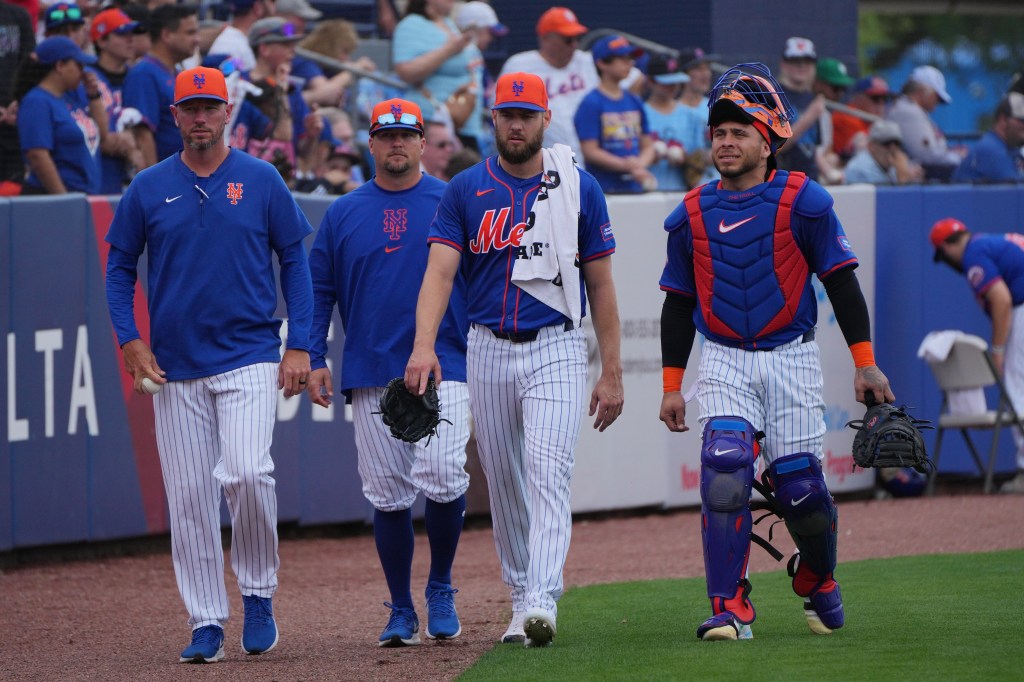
{"points": [[741, 252]]}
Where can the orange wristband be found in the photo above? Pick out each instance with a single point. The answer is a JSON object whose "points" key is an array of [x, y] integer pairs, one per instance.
{"points": [[672, 378], [863, 354]]}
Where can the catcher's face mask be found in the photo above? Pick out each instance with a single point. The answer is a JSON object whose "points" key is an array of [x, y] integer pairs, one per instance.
{"points": [[750, 91]]}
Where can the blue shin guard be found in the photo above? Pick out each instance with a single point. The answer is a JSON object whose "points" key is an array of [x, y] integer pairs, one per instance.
{"points": [[808, 510], [811, 518], [727, 473]]}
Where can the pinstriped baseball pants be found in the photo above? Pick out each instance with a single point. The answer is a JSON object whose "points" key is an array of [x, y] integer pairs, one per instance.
{"points": [[527, 401], [393, 471], [214, 434]]}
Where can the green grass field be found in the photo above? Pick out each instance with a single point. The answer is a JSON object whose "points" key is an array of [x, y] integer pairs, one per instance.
{"points": [[934, 618]]}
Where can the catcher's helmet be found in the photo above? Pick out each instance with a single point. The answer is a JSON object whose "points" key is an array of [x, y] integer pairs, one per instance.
{"points": [[749, 93]]}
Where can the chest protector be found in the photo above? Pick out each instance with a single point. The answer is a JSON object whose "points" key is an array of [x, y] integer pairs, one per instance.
{"points": [[750, 273]]}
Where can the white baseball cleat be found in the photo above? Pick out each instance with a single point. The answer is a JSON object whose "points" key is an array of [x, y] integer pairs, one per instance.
{"points": [[515, 634], [539, 627]]}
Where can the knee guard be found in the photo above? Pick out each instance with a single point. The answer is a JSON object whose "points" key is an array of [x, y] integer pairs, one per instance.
{"points": [[727, 473], [809, 513]]}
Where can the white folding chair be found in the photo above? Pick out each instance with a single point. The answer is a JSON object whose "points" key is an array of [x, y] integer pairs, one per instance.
{"points": [[969, 366]]}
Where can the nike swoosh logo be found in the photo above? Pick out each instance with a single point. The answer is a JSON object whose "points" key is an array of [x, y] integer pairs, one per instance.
{"points": [[796, 502], [719, 453], [391, 249], [481, 192], [169, 199], [723, 228]]}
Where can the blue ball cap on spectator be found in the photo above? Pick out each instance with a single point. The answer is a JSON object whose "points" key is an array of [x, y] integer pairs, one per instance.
{"points": [[614, 46], [59, 48]]}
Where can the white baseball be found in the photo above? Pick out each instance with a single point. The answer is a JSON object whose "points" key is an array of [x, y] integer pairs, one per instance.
{"points": [[675, 153], [150, 386]]}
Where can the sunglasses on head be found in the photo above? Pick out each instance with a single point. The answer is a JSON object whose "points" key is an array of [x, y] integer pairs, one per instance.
{"points": [[406, 119], [69, 12], [284, 30]]}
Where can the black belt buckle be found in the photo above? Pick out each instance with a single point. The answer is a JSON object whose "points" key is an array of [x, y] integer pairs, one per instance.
{"points": [[527, 336]]}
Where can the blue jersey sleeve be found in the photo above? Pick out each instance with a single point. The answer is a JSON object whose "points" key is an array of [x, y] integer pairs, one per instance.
{"points": [[819, 232], [37, 123], [128, 228], [588, 119], [447, 227], [325, 296], [677, 276], [596, 239], [413, 37], [982, 272], [142, 91]]}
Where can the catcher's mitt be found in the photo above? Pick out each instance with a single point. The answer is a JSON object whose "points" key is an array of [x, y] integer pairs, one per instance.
{"points": [[889, 437], [410, 417]]}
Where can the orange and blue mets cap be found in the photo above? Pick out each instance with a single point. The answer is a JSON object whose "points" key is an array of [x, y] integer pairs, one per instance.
{"points": [[200, 83], [521, 90], [397, 114]]}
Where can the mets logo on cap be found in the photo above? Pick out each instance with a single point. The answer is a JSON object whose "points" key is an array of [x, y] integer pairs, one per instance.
{"points": [[521, 90], [200, 83]]}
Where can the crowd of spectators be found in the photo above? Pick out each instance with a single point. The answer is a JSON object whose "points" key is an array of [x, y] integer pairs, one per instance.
{"points": [[85, 93]]}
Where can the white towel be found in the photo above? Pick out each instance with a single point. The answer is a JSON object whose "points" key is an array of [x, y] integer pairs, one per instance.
{"points": [[553, 276], [936, 345]]}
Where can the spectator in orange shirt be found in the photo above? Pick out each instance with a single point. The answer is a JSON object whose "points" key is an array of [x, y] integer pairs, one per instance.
{"points": [[850, 132]]}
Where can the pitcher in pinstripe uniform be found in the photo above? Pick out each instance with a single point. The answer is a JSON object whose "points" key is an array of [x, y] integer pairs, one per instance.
{"points": [[740, 255], [368, 258], [211, 219], [527, 359]]}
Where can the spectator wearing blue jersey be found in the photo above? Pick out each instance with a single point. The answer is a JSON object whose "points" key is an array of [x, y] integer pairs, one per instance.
{"points": [[997, 155], [434, 58], [113, 33], [612, 125], [149, 86], [59, 137], [669, 121]]}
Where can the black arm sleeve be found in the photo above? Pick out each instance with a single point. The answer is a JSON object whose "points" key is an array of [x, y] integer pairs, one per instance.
{"points": [[677, 329], [851, 310]]}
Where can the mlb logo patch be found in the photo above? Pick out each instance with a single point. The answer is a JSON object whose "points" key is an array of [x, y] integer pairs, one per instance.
{"points": [[844, 243], [606, 232]]}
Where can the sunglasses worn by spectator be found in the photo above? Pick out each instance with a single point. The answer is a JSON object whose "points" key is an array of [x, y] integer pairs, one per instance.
{"points": [[406, 119], [570, 40], [69, 13], [878, 99], [443, 144]]}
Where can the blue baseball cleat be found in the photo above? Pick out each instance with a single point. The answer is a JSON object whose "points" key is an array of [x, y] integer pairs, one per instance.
{"points": [[403, 628], [259, 634], [723, 627], [442, 619], [207, 645], [824, 610]]}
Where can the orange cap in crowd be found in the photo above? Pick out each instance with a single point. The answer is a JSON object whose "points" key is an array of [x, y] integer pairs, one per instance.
{"points": [[200, 83], [110, 21], [396, 114], [521, 91], [560, 20]]}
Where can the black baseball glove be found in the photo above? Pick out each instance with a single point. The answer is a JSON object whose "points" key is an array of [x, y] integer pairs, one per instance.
{"points": [[410, 417], [889, 437]]}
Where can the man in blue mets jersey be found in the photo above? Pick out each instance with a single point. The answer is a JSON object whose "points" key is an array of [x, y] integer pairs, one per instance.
{"points": [[368, 259], [211, 219], [740, 255], [532, 232]]}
